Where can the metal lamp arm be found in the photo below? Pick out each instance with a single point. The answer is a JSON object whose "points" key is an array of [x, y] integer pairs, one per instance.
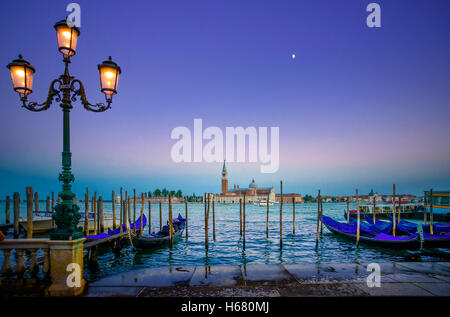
{"points": [[99, 107], [52, 92]]}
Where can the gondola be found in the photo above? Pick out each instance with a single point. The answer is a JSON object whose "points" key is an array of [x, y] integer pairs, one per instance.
{"points": [[438, 227], [117, 230], [367, 236], [162, 237], [437, 240], [378, 227], [138, 226], [440, 239]]}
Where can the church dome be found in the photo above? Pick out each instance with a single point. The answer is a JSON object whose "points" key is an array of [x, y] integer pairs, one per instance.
{"points": [[252, 184]]}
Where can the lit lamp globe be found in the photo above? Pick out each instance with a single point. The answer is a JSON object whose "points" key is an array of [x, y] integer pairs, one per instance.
{"points": [[67, 38], [109, 76], [21, 76]]}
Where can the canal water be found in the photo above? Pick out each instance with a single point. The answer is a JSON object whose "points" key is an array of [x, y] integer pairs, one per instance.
{"points": [[227, 247]]}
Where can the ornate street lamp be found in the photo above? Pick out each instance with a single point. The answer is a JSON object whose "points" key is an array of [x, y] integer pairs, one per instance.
{"points": [[21, 76], [65, 89]]}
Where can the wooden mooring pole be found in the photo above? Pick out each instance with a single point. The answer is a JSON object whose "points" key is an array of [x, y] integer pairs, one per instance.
{"points": [[359, 219], [134, 211], [114, 208], [97, 210], [431, 212], [47, 204], [53, 201], [149, 216], [141, 229], [101, 215], [125, 212], [214, 218], [94, 211], [318, 218], [170, 222], [160, 215], [29, 192], [129, 212], [321, 215], [399, 207], [16, 201], [207, 220], [8, 211], [348, 209], [124, 219], [186, 206], [281, 213], [243, 222], [121, 209], [240, 217], [394, 226], [374, 210], [204, 203], [267, 217], [86, 213], [36, 202], [293, 215], [424, 207]]}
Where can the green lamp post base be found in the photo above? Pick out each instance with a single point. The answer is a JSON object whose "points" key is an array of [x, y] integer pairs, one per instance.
{"points": [[66, 217]]}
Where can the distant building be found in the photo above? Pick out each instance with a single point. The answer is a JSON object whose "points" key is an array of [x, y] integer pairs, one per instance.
{"points": [[252, 194], [287, 198], [379, 198], [372, 195], [341, 199]]}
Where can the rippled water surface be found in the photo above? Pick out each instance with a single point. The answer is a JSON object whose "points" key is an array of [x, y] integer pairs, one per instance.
{"points": [[227, 247]]}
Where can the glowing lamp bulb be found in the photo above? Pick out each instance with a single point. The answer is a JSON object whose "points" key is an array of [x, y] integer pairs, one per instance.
{"points": [[109, 75]]}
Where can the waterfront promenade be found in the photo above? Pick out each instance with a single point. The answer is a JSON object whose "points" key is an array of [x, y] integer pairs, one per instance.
{"points": [[271, 280]]}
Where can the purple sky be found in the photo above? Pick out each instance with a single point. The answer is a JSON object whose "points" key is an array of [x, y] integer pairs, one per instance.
{"points": [[358, 107]]}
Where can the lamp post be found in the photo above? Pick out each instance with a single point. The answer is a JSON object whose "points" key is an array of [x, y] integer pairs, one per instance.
{"points": [[65, 89]]}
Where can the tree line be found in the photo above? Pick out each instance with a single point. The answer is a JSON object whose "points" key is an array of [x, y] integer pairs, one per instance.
{"points": [[165, 192]]}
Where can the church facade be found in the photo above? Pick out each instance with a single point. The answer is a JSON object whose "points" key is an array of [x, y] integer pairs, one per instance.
{"points": [[252, 194]]}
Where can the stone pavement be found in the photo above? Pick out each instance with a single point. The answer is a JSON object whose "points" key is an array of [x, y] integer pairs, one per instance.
{"points": [[254, 280]]}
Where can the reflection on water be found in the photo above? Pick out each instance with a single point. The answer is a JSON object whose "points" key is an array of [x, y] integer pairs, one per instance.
{"points": [[227, 248]]}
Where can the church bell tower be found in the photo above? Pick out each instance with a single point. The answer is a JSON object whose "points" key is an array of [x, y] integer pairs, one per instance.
{"points": [[224, 179]]}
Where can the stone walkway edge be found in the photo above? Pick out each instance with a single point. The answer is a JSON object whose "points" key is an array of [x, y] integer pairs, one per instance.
{"points": [[254, 280]]}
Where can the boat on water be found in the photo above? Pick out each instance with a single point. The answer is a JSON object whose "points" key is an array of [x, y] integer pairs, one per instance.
{"points": [[110, 232], [264, 202], [378, 227], [372, 236], [382, 211], [439, 239], [162, 237], [408, 226], [43, 222]]}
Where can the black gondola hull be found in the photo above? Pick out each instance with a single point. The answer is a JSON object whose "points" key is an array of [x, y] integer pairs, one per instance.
{"points": [[151, 242]]}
